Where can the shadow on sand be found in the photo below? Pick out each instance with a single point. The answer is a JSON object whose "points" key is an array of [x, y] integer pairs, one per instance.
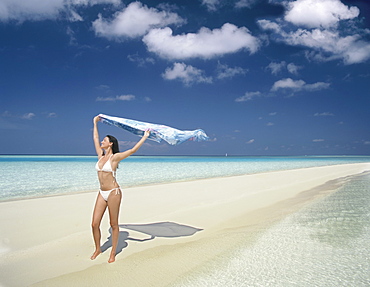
{"points": [[158, 229]]}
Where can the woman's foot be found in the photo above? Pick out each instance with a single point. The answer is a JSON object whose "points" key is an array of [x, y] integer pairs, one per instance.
{"points": [[96, 253], [112, 258]]}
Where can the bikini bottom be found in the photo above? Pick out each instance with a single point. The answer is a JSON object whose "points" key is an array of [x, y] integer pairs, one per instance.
{"points": [[105, 193]]}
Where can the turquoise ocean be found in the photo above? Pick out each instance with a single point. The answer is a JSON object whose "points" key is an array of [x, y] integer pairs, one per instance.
{"points": [[326, 243], [40, 175]]}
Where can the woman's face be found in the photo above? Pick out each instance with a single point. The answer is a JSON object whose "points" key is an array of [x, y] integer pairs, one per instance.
{"points": [[105, 143]]}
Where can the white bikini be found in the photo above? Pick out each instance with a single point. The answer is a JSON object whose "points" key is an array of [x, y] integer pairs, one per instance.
{"points": [[107, 167]]}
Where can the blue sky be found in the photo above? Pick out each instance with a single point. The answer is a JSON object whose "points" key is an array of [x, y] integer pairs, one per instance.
{"points": [[261, 77]]}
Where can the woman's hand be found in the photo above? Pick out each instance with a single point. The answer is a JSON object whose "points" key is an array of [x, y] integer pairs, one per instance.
{"points": [[96, 119], [147, 133]]}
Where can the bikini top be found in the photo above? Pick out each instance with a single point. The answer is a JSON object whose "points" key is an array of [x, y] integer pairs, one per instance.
{"points": [[107, 167]]}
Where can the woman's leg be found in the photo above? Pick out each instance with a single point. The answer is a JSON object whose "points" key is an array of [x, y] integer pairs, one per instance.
{"points": [[99, 209], [114, 202]]}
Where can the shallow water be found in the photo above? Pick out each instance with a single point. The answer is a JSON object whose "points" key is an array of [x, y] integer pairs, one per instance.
{"points": [[34, 176], [324, 244]]}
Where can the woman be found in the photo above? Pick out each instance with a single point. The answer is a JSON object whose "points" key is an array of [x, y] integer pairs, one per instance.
{"points": [[110, 192]]}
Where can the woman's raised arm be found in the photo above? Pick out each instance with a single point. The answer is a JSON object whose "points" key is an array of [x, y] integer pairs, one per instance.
{"points": [[122, 155], [98, 149]]}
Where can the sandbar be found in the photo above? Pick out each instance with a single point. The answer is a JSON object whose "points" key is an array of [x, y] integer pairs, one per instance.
{"points": [[167, 231]]}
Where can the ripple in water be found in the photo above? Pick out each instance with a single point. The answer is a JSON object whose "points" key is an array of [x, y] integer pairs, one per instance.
{"points": [[325, 244]]}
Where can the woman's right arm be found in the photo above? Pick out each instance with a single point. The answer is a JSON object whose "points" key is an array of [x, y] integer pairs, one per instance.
{"points": [[98, 149]]}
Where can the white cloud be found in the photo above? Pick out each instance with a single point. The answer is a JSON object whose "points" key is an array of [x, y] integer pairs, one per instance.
{"points": [[276, 67], [21, 10], [288, 84], [224, 71], [116, 98], [139, 60], [211, 5], [325, 114], [318, 140], [319, 13], [51, 115], [214, 5], [73, 16], [72, 38], [269, 25], [104, 88], [28, 116], [298, 85], [250, 141], [134, 21], [125, 98], [316, 86], [293, 69], [205, 44], [245, 3], [186, 73], [320, 33], [351, 49], [248, 96]]}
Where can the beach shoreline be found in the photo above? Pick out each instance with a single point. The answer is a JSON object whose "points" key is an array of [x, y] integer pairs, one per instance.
{"points": [[47, 241]]}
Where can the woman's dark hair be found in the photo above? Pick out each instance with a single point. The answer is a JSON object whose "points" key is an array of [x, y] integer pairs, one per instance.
{"points": [[115, 147]]}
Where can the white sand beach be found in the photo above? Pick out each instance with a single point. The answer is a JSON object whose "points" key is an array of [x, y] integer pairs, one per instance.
{"points": [[167, 230]]}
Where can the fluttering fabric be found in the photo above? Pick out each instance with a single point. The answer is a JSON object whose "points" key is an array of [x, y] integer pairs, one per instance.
{"points": [[157, 132]]}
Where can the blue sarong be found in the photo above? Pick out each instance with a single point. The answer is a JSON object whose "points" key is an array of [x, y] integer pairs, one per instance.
{"points": [[157, 132]]}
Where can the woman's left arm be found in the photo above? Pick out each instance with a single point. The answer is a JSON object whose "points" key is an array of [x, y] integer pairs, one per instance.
{"points": [[122, 155]]}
